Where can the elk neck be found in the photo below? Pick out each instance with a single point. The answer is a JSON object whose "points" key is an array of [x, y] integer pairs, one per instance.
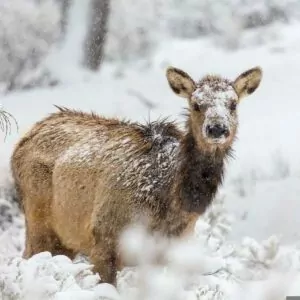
{"points": [[198, 174]]}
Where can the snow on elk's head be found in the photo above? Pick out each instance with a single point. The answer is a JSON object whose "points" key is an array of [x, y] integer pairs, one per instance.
{"points": [[213, 104]]}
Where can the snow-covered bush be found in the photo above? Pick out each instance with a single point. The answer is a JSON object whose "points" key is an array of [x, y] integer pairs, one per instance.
{"points": [[11, 218], [206, 266], [193, 18], [27, 31], [255, 13], [136, 28], [9, 205], [46, 277]]}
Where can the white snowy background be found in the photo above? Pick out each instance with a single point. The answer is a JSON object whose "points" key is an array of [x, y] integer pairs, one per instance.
{"points": [[247, 243]]}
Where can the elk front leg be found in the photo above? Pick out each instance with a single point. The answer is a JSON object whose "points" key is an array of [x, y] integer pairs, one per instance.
{"points": [[104, 260]]}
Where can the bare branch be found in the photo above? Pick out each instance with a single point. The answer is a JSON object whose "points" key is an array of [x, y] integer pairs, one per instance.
{"points": [[5, 122], [147, 102]]}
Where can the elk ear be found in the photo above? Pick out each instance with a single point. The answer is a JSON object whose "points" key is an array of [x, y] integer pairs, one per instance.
{"points": [[248, 82], [180, 82]]}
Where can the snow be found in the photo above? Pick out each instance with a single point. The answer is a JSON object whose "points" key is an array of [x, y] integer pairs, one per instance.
{"points": [[46, 277], [206, 95], [70, 53], [251, 253], [207, 265]]}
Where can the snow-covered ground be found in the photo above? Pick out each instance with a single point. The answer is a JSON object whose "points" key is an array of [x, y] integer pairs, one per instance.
{"points": [[262, 185]]}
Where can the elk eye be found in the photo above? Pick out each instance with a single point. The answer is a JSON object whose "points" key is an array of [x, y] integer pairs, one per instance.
{"points": [[196, 106], [233, 106]]}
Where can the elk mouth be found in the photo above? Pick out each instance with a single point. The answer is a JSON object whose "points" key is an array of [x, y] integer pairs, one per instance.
{"points": [[217, 141]]}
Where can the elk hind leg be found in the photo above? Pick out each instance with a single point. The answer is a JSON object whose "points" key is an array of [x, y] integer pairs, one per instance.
{"points": [[41, 237]]}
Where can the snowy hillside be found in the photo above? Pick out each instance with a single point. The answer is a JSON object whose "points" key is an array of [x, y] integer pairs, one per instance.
{"points": [[247, 244]]}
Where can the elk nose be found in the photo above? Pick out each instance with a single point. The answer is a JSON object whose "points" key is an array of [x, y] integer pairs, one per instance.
{"points": [[216, 131]]}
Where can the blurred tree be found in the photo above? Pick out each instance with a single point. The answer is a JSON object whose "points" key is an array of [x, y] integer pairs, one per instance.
{"points": [[96, 31], [96, 34], [65, 4]]}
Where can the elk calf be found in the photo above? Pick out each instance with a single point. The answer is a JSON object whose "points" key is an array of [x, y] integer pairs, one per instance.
{"points": [[82, 178]]}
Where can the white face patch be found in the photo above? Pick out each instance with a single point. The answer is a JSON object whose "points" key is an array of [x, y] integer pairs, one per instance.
{"points": [[216, 103]]}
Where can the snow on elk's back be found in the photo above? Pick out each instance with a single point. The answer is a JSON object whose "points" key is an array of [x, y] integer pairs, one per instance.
{"points": [[82, 153], [148, 171], [216, 96], [142, 166]]}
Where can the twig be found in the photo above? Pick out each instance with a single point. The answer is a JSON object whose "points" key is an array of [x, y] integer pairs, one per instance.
{"points": [[5, 122], [214, 272], [148, 103]]}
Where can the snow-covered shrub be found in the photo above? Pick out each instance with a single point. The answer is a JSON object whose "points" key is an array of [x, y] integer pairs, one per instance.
{"points": [[193, 18], [27, 31], [46, 277], [187, 18], [206, 266], [11, 230], [8, 211], [11, 219], [255, 13], [9, 207], [137, 27]]}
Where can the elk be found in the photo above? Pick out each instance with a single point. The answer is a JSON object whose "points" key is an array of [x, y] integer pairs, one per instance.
{"points": [[83, 178]]}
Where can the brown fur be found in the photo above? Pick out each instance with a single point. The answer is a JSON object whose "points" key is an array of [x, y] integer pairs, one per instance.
{"points": [[82, 178]]}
